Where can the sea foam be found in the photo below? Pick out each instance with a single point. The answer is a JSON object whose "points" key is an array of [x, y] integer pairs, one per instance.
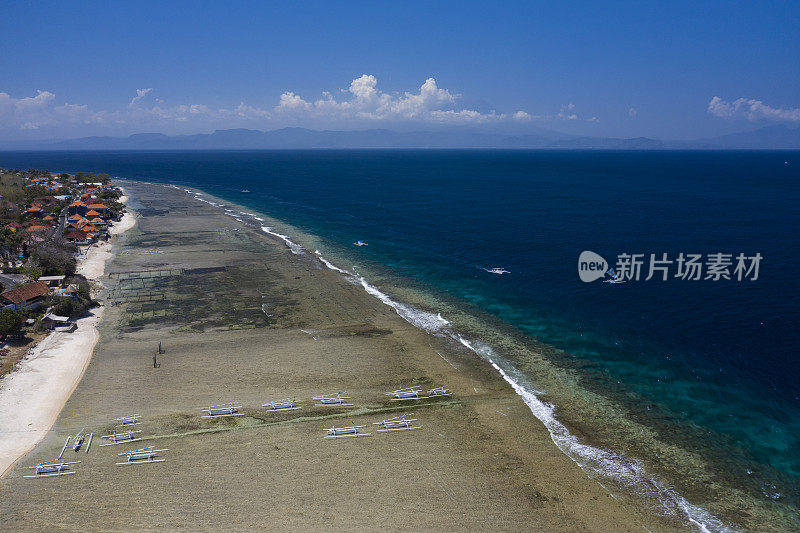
{"points": [[293, 246], [591, 459]]}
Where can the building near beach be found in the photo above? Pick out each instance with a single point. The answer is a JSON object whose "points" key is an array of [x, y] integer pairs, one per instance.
{"points": [[28, 296], [77, 237], [100, 209], [53, 281], [77, 208]]}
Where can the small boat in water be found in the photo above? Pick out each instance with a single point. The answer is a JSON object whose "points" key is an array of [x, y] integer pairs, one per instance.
{"points": [[360, 243], [613, 277], [245, 190], [497, 270]]}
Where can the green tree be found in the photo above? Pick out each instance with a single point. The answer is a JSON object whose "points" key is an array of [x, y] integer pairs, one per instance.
{"points": [[54, 258], [10, 322], [109, 194], [33, 272]]}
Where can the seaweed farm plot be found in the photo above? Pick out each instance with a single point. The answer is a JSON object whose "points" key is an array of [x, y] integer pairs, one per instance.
{"points": [[195, 299], [165, 240]]}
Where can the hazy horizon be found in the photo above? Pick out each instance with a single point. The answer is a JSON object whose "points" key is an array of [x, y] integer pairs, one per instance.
{"points": [[678, 71]]}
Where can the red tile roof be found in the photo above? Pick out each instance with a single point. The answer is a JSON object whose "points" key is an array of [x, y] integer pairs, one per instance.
{"points": [[96, 206], [76, 235], [25, 293]]}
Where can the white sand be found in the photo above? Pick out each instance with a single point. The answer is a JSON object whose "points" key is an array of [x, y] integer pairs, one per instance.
{"points": [[32, 397], [94, 264]]}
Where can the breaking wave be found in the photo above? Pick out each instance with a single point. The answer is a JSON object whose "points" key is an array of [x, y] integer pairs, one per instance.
{"points": [[591, 459], [293, 246]]}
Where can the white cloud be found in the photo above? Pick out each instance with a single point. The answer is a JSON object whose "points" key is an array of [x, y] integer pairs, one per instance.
{"points": [[289, 100], [35, 112], [751, 109], [140, 93], [42, 99], [362, 101], [245, 111], [364, 88], [179, 113], [429, 98], [366, 101], [566, 112]]}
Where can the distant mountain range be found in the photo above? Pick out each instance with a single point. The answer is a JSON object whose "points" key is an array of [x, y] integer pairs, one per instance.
{"points": [[770, 137]]}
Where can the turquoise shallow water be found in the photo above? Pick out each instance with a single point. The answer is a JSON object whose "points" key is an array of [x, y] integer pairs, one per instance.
{"points": [[717, 355]]}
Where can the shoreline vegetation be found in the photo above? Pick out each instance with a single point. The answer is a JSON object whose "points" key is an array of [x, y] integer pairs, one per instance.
{"points": [[290, 322], [233, 306], [52, 368]]}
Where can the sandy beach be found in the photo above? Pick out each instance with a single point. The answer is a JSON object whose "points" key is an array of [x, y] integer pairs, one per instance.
{"points": [[243, 318], [93, 265], [52, 370]]}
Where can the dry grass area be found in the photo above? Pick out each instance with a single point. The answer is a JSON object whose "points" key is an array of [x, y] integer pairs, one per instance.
{"points": [[241, 318], [16, 349]]}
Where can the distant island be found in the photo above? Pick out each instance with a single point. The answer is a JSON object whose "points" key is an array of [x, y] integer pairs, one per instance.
{"points": [[777, 137]]}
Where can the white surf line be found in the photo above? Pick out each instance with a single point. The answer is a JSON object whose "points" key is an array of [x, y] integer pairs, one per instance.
{"points": [[597, 460], [589, 458], [294, 247]]}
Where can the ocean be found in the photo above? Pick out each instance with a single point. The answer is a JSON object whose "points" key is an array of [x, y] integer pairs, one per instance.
{"points": [[694, 381]]}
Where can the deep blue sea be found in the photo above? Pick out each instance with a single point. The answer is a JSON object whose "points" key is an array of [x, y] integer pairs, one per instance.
{"points": [[718, 355]]}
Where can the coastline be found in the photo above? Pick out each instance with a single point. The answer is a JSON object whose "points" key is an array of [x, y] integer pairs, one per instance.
{"points": [[622, 476], [481, 459], [651, 454], [53, 370]]}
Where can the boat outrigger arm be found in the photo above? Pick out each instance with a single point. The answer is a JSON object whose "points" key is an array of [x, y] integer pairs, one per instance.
{"points": [[52, 468], [345, 432], [226, 409], [397, 423], [332, 400], [120, 437], [287, 404], [147, 454], [129, 420], [412, 393]]}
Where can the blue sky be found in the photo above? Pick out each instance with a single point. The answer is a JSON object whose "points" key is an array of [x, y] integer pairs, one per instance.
{"points": [[660, 69]]}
